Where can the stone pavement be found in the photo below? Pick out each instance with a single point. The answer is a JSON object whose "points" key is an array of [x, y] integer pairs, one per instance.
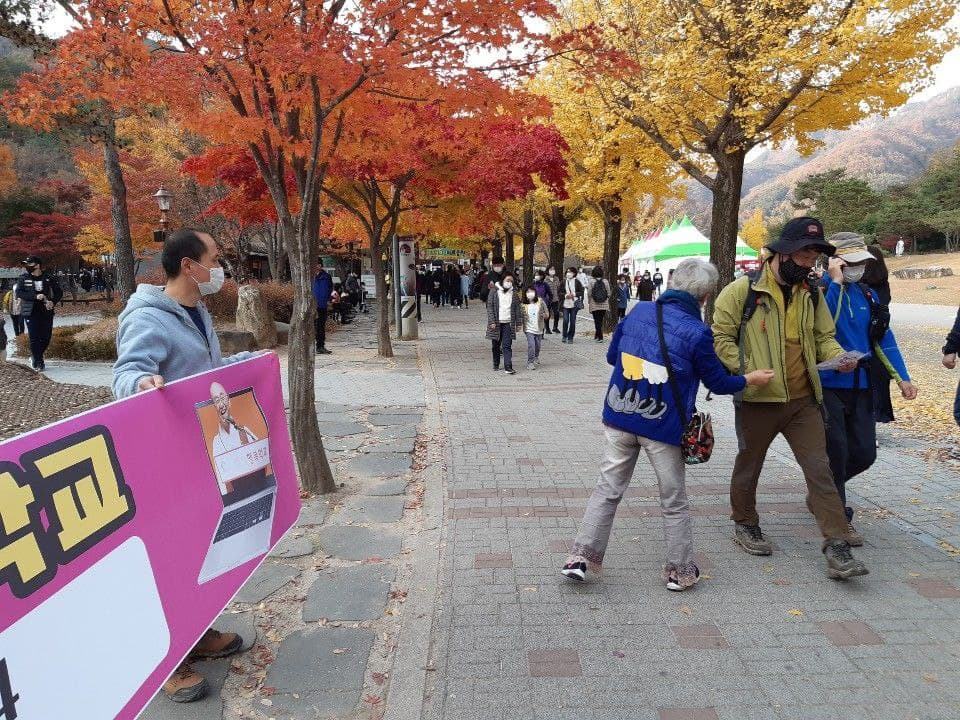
{"points": [[759, 638]]}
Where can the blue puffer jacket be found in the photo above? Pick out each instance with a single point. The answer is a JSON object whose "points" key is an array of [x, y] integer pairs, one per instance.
{"points": [[639, 399], [850, 311]]}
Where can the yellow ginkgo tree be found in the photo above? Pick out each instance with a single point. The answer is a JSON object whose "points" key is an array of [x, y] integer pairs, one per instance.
{"points": [[708, 80]]}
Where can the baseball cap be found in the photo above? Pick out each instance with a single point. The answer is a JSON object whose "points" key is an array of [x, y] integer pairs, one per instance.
{"points": [[32, 260], [850, 247]]}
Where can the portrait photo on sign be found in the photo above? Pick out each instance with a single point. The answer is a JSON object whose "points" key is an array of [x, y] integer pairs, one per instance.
{"points": [[238, 443]]}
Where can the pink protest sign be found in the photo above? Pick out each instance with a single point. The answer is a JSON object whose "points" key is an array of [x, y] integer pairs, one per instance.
{"points": [[125, 531]]}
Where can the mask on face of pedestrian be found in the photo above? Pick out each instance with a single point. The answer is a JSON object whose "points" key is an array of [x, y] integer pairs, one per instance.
{"points": [[214, 284], [853, 273], [539, 278], [552, 272], [498, 268], [531, 295], [792, 273], [508, 285]]}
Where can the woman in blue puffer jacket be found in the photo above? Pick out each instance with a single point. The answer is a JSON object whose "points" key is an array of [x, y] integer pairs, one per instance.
{"points": [[640, 413]]}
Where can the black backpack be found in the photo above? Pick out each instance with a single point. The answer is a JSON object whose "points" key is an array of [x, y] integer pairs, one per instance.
{"points": [[598, 293], [879, 316]]}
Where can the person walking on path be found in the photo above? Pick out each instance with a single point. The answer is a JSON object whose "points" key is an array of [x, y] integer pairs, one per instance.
{"points": [[534, 311], [543, 290], [492, 279], [598, 300], [877, 278], [645, 288], [13, 306], [554, 282], [503, 320], [572, 303], [39, 293], [776, 319], [465, 281], [436, 287], [658, 282], [864, 326], [322, 290], [452, 285], [166, 334], [422, 289], [640, 414], [950, 348], [623, 296]]}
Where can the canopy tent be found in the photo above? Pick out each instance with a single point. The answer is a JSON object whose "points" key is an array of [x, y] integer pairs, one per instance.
{"points": [[676, 242]]}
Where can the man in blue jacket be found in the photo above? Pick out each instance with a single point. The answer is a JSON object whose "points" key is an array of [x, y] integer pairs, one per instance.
{"points": [[322, 289], [862, 325]]}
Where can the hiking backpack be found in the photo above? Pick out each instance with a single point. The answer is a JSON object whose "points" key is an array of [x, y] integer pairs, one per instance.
{"points": [[598, 293]]}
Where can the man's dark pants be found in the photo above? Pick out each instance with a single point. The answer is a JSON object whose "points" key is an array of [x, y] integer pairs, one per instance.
{"points": [[851, 436], [321, 324], [40, 328], [503, 345], [801, 424]]}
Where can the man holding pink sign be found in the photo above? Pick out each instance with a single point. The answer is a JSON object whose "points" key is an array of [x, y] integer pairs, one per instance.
{"points": [[166, 334]]}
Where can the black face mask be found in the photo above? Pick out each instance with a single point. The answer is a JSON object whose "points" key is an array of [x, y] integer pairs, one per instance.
{"points": [[791, 273]]}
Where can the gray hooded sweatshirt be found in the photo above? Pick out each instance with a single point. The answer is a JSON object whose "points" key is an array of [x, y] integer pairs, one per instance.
{"points": [[157, 337]]}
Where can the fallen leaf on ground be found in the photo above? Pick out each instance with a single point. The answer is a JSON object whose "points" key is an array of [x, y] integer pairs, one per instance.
{"points": [[796, 612], [619, 654], [339, 651]]}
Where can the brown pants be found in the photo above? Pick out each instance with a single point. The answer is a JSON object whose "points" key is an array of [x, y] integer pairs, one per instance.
{"points": [[801, 424]]}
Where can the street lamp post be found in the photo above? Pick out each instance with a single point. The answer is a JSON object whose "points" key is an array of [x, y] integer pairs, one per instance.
{"points": [[163, 198]]}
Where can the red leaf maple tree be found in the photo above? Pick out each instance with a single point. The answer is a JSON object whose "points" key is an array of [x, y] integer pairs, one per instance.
{"points": [[278, 78]]}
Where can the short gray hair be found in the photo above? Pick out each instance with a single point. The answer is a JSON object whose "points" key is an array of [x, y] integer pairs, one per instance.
{"points": [[695, 276]]}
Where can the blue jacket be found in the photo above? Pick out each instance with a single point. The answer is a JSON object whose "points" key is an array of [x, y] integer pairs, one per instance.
{"points": [[157, 337], [639, 399], [322, 288], [623, 296], [850, 311]]}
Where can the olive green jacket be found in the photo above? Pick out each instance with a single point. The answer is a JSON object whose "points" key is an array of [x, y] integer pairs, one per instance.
{"points": [[765, 338]]}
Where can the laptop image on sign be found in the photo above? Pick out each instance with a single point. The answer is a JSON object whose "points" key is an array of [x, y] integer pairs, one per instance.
{"points": [[239, 447]]}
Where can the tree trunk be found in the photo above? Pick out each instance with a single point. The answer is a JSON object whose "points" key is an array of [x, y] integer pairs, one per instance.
{"points": [[497, 244], [612, 224], [123, 242], [529, 244], [315, 474], [510, 254], [384, 345], [725, 216], [558, 237]]}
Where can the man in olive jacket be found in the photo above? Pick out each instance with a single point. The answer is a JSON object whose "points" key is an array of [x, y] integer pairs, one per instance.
{"points": [[790, 330]]}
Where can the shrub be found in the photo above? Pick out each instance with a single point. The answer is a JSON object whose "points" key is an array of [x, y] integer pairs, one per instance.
{"points": [[65, 346], [279, 298]]}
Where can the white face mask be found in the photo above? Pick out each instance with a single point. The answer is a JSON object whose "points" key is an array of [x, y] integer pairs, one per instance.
{"points": [[508, 286], [570, 276], [853, 273], [531, 295], [498, 268], [552, 273], [214, 284]]}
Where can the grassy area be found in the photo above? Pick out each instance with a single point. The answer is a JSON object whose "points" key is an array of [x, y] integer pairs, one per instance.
{"points": [[935, 291]]}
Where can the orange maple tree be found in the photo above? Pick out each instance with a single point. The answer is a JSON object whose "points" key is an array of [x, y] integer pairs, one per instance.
{"points": [[278, 78]]}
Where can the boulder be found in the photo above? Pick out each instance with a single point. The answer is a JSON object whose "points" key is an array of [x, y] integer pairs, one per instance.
{"points": [[234, 341], [919, 273], [254, 317], [283, 332]]}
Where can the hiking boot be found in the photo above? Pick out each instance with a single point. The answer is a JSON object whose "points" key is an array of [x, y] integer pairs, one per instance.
{"points": [[510, 371], [840, 561], [854, 538], [215, 644], [751, 539], [186, 685]]}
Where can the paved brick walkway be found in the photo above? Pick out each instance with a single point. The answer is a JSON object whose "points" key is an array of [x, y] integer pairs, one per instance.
{"points": [[758, 638]]}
